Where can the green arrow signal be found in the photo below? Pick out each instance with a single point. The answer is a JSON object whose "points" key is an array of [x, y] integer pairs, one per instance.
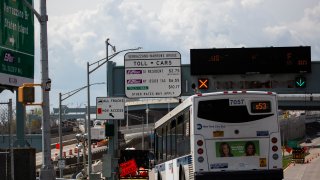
{"points": [[300, 82]]}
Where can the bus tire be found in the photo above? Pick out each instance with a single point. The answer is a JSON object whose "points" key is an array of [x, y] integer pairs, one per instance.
{"points": [[182, 175]]}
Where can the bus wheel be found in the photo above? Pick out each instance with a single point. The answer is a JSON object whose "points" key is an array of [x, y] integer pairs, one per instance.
{"points": [[181, 174]]}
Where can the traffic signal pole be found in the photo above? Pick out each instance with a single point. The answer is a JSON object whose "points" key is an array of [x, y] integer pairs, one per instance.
{"points": [[46, 171]]}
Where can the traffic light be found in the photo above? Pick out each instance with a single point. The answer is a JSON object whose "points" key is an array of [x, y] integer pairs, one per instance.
{"points": [[109, 130], [26, 94], [203, 83], [300, 82]]}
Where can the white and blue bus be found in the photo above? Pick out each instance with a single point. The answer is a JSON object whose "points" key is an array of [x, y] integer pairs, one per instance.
{"points": [[220, 135]]}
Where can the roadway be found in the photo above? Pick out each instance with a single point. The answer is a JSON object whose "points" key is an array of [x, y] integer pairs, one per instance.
{"points": [[309, 170], [66, 149]]}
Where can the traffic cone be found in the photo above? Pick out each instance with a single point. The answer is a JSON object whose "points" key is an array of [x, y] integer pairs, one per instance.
{"points": [[75, 150]]}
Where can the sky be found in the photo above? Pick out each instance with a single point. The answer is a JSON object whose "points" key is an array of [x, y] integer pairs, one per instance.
{"points": [[78, 29]]}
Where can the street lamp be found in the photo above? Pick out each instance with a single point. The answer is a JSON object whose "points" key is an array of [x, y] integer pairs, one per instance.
{"points": [[96, 65], [63, 97]]}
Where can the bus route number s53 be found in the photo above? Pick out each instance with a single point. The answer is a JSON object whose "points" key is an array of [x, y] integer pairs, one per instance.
{"points": [[237, 102]]}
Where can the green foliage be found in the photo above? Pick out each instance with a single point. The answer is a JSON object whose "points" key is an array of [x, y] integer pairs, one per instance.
{"points": [[286, 160]]}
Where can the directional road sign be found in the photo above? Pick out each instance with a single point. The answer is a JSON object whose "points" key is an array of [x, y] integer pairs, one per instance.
{"points": [[16, 43], [110, 108], [152, 74]]}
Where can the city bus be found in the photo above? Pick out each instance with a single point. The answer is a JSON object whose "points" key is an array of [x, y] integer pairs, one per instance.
{"points": [[220, 135]]}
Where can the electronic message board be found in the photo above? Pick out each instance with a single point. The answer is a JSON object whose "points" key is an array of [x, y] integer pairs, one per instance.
{"points": [[265, 60]]}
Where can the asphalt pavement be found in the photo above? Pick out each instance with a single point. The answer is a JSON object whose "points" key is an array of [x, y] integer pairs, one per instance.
{"points": [[315, 144]]}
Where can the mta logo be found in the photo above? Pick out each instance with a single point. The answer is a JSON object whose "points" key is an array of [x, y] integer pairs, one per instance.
{"points": [[199, 126]]}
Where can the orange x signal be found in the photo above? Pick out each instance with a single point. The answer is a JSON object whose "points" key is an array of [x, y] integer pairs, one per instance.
{"points": [[203, 83]]}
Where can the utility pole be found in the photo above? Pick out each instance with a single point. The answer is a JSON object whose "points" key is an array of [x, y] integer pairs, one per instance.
{"points": [[97, 65], [60, 137], [46, 171]]}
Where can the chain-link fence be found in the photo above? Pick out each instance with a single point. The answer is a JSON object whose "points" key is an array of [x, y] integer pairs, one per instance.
{"points": [[4, 123], [6, 154], [5, 107]]}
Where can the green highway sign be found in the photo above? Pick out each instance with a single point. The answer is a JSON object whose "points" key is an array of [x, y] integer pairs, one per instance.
{"points": [[16, 43]]}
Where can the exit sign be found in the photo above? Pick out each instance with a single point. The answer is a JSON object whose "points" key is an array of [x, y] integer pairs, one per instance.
{"points": [[300, 82]]}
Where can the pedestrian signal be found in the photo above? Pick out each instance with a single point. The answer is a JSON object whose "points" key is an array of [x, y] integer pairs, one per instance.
{"points": [[26, 94]]}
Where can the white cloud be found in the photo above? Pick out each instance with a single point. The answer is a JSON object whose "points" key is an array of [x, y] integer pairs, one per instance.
{"points": [[77, 31], [277, 32], [250, 3]]}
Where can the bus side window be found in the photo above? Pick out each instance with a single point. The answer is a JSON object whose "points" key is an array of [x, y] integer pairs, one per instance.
{"points": [[166, 143], [158, 143], [173, 138], [179, 137], [161, 142], [183, 134]]}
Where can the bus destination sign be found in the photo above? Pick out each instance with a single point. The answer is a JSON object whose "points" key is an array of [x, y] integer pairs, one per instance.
{"points": [[152, 74]]}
